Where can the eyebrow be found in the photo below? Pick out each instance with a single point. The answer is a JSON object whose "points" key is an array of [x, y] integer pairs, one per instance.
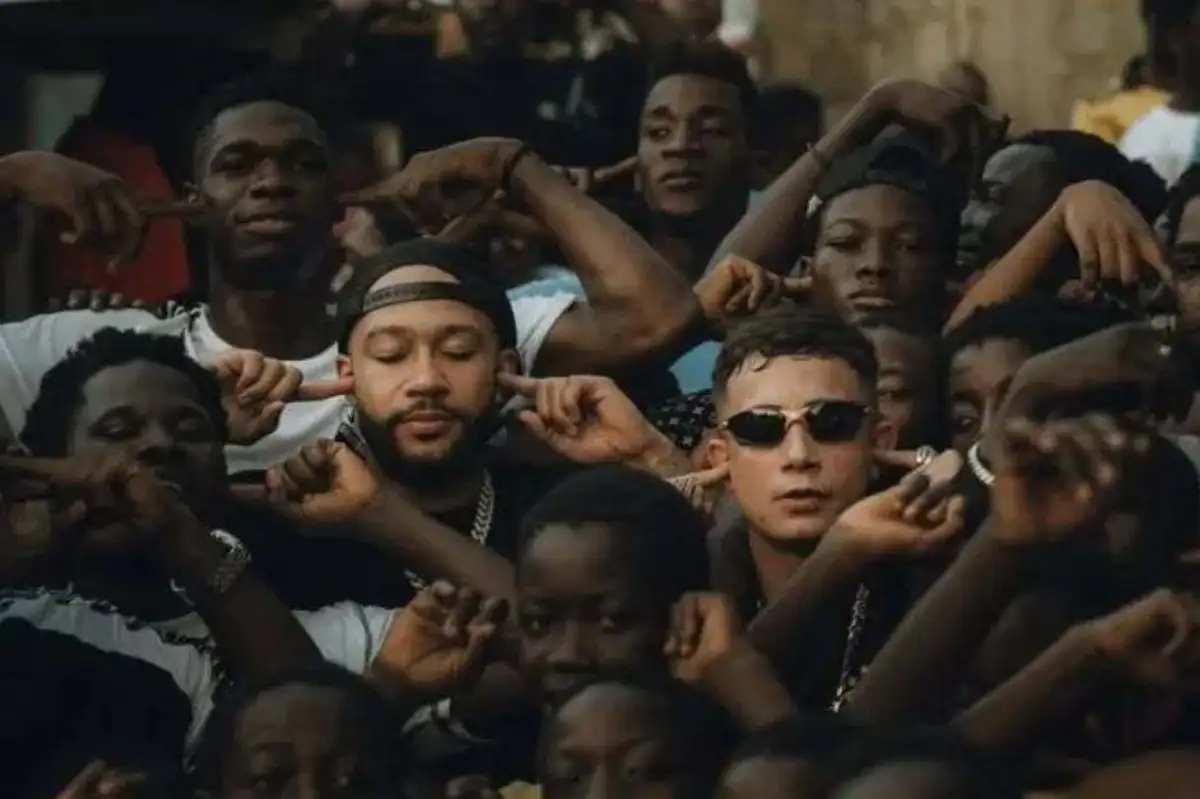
{"points": [[704, 110], [299, 142]]}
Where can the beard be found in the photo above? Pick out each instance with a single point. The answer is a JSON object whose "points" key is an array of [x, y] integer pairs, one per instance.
{"points": [[428, 473]]}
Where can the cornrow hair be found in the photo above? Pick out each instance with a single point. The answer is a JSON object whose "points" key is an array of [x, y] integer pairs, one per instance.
{"points": [[1083, 156], [51, 416], [788, 331]]}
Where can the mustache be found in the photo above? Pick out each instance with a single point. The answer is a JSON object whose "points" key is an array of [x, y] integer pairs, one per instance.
{"points": [[401, 416]]}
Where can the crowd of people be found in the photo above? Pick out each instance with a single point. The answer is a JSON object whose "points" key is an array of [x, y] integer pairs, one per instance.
{"points": [[862, 464]]}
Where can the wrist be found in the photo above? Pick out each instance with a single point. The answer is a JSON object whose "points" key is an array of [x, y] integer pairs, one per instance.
{"points": [[659, 455]]}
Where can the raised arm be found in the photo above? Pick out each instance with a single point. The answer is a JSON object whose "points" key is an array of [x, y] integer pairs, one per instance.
{"points": [[638, 306]]}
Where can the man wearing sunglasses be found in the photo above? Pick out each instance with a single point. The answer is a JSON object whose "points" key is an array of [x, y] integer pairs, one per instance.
{"points": [[797, 426]]}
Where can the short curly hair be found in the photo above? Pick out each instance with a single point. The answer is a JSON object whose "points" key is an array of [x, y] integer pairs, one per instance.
{"points": [[1083, 156], [288, 86], [60, 395], [788, 330]]}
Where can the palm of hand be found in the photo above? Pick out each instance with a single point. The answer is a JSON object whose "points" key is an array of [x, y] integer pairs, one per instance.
{"points": [[434, 663]]}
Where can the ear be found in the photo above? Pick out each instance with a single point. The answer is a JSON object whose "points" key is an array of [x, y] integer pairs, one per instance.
{"points": [[884, 434], [508, 363], [191, 194], [345, 366], [716, 450]]}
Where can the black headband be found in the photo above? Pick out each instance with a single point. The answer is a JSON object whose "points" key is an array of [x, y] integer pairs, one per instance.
{"points": [[432, 290], [472, 286]]}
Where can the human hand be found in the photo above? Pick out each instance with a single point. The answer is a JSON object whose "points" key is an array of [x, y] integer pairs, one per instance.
{"points": [[107, 501], [1152, 641], [738, 287], [929, 484], [967, 132], [255, 389], [324, 483], [584, 418], [102, 210], [906, 519], [439, 185], [703, 488], [1057, 478], [98, 780], [97, 300], [438, 642], [588, 180], [704, 630], [1112, 238]]}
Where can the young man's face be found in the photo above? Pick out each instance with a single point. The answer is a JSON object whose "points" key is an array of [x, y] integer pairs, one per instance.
{"points": [[693, 152], [795, 488]]}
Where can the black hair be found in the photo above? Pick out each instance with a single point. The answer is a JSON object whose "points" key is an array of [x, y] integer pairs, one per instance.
{"points": [[1082, 156], [788, 330], [51, 416], [981, 774], [901, 159], [709, 59], [702, 724], [666, 534], [1179, 195], [1160, 18], [367, 710], [781, 106], [1036, 321], [1133, 74], [292, 87]]}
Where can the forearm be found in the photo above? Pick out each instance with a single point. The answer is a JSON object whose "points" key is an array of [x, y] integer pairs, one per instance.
{"points": [[641, 304], [1054, 684], [1019, 270], [744, 684], [402, 531], [936, 642], [771, 233], [256, 633], [780, 631]]}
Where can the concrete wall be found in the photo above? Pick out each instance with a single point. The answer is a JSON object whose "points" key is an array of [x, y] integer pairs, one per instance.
{"points": [[1040, 55]]}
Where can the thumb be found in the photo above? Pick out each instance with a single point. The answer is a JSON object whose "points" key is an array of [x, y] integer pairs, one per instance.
{"points": [[711, 477], [311, 390]]}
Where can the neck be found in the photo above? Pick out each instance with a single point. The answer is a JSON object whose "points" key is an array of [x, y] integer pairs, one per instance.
{"points": [[289, 325], [449, 496], [689, 244], [774, 564]]}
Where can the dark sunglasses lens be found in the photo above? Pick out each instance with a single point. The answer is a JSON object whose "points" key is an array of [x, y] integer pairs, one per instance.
{"points": [[830, 422], [758, 428]]}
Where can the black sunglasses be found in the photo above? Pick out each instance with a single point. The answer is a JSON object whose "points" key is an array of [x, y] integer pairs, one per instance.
{"points": [[827, 422]]}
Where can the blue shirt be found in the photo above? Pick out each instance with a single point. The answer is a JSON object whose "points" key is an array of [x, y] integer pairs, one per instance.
{"points": [[693, 371]]}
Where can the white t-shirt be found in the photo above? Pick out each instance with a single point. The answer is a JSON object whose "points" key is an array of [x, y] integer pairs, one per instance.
{"points": [[28, 349], [347, 634], [1165, 139]]}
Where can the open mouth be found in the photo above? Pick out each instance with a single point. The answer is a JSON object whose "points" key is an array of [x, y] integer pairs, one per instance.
{"points": [[682, 180]]}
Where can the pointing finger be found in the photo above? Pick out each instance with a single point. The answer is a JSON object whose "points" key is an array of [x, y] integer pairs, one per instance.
{"points": [[311, 390]]}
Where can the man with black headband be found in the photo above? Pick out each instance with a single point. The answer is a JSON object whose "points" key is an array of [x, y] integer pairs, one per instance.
{"points": [[425, 334], [264, 191]]}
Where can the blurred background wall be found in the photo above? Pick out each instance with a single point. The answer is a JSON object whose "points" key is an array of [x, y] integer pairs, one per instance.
{"points": [[1040, 55]]}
